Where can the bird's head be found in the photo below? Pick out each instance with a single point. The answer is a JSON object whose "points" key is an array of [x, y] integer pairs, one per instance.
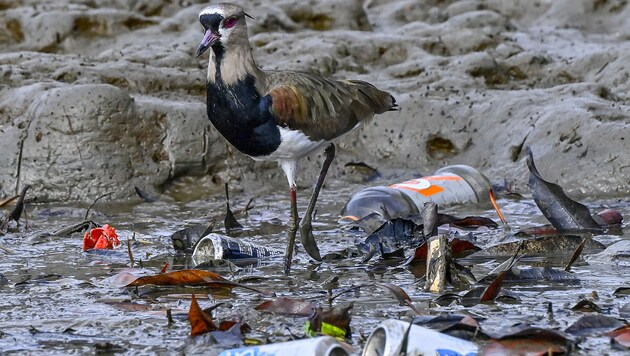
{"points": [[224, 27]]}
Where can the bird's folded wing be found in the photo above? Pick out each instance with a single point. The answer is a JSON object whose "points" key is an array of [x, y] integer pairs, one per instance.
{"points": [[322, 108]]}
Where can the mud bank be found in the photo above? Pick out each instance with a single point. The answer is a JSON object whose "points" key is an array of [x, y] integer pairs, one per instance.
{"points": [[99, 96]]}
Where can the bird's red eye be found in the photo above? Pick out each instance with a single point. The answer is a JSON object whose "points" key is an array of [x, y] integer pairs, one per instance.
{"points": [[229, 23]]}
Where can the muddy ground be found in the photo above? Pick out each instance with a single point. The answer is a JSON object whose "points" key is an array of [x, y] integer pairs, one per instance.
{"points": [[99, 96]]}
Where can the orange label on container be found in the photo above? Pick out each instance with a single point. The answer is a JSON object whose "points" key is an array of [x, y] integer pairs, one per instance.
{"points": [[422, 185]]}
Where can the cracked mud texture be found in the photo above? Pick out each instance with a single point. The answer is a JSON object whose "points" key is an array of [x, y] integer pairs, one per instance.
{"points": [[98, 96]]}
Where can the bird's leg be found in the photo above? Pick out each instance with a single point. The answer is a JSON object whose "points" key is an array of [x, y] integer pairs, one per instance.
{"points": [[293, 226], [306, 230]]}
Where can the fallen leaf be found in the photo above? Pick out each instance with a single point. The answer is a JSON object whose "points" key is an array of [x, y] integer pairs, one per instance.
{"points": [[527, 340], [145, 196], [492, 291], [621, 336], [287, 306], [585, 305], [230, 221], [400, 294], [334, 322], [594, 325], [200, 322], [561, 211]]}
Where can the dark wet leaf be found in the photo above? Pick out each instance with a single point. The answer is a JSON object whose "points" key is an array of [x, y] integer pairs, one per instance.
{"points": [[620, 337], [527, 347], [184, 240], [585, 305], [621, 291], [190, 277], [576, 254], [393, 237], [334, 322], [230, 221], [561, 211], [371, 222], [226, 325], [527, 340], [200, 322], [456, 325], [593, 325], [145, 196], [16, 213], [459, 248], [400, 294], [531, 274], [429, 219], [447, 299], [468, 222], [287, 306], [108, 348], [541, 246], [492, 291]]}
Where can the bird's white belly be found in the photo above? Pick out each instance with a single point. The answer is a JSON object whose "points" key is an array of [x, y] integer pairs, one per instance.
{"points": [[294, 145]]}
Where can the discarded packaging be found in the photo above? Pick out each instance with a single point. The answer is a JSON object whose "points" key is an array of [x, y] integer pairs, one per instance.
{"points": [[458, 184], [320, 346], [219, 247], [101, 238], [387, 340]]}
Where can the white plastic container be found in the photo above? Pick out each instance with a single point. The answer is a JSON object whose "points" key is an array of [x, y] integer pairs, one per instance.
{"points": [[386, 340], [451, 185], [318, 346]]}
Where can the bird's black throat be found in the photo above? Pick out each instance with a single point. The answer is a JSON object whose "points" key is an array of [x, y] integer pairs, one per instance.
{"points": [[240, 114]]}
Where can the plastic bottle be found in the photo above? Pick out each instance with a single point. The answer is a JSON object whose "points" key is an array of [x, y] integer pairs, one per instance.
{"points": [[219, 247], [387, 338], [451, 185]]}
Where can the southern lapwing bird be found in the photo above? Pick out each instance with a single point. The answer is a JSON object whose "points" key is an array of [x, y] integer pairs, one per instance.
{"points": [[278, 115]]}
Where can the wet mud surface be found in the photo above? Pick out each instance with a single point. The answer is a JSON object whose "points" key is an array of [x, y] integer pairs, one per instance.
{"points": [[56, 298]]}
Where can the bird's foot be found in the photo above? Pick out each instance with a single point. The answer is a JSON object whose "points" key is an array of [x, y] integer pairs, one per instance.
{"points": [[308, 240]]}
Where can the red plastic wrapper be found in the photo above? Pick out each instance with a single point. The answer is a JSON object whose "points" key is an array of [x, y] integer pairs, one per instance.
{"points": [[104, 238]]}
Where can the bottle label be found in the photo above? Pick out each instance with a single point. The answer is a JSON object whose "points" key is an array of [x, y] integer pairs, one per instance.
{"points": [[424, 185]]}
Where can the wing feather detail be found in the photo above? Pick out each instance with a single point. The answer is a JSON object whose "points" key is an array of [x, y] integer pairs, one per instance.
{"points": [[322, 108]]}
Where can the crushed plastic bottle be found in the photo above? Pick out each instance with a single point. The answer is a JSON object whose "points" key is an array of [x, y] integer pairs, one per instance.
{"points": [[387, 340], [451, 185], [218, 247]]}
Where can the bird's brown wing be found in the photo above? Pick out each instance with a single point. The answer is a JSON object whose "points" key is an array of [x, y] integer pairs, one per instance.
{"points": [[322, 108]]}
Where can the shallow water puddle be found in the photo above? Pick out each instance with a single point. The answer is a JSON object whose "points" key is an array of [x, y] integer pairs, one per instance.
{"points": [[56, 298]]}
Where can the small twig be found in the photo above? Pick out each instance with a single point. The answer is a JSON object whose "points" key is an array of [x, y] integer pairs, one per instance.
{"points": [[94, 202], [129, 249], [169, 317]]}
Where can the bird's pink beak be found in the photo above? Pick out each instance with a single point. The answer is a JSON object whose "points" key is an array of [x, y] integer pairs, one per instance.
{"points": [[209, 38]]}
